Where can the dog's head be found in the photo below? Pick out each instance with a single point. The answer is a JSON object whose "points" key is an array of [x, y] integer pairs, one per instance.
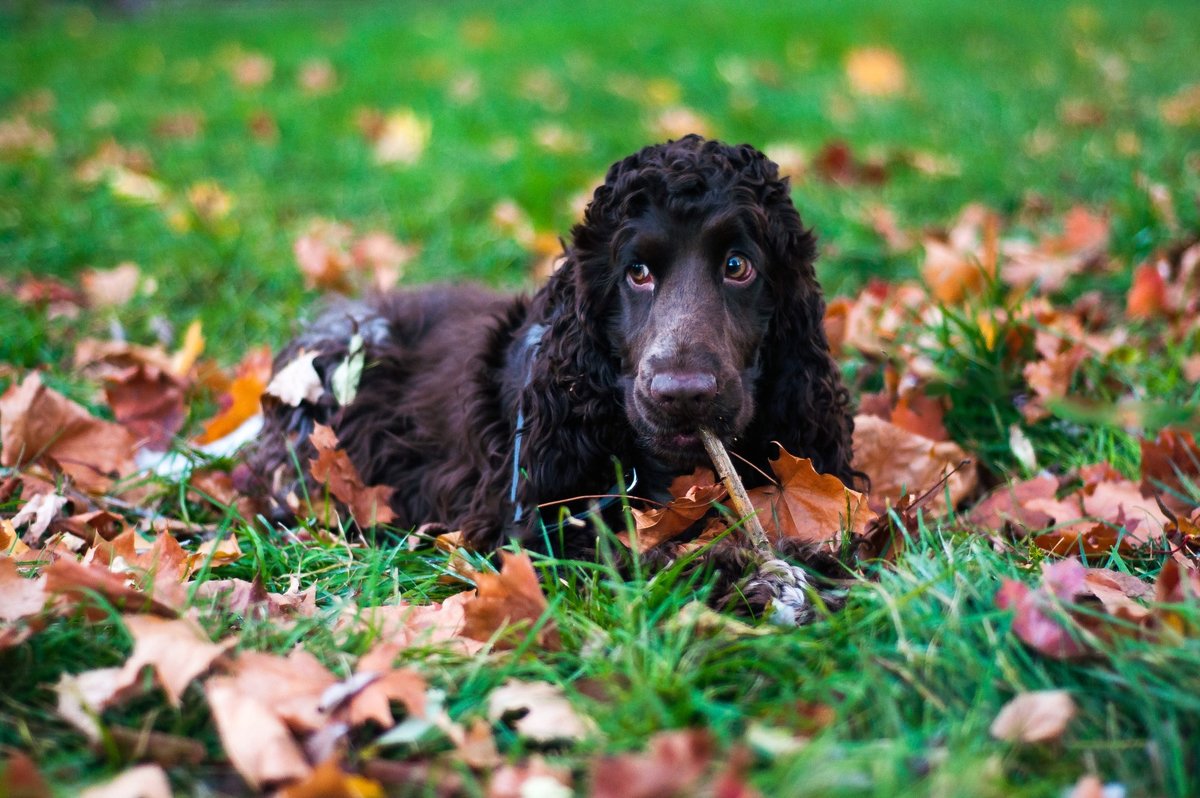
{"points": [[693, 260]]}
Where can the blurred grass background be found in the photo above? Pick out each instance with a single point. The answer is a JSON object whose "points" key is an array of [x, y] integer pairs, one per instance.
{"points": [[530, 102]]}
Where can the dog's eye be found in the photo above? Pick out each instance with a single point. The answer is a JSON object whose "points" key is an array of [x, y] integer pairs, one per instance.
{"points": [[639, 275], [739, 269]]}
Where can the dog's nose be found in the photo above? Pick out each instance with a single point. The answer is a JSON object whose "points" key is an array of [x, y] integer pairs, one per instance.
{"points": [[683, 390]]}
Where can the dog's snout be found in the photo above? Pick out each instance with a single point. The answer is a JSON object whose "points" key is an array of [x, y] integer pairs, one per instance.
{"points": [[683, 389]]}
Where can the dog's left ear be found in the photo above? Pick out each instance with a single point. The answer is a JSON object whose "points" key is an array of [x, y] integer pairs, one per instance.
{"points": [[803, 403], [573, 419]]}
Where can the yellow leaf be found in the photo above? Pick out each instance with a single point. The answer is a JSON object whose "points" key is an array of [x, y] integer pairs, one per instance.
{"points": [[185, 357], [875, 72]]}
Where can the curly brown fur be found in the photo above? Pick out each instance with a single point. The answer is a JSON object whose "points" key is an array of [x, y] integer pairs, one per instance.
{"points": [[686, 297]]}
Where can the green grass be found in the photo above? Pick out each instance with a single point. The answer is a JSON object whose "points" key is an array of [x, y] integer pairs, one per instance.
{"points": [[920, 661]]}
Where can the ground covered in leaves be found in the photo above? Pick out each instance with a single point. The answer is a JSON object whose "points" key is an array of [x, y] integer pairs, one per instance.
{"points": [[1007, 200]]}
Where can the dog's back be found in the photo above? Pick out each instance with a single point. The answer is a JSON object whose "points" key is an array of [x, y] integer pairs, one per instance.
{"points": [[414, 423]]}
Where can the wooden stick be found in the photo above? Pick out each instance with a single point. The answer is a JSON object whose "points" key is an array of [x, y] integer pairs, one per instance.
{"points": [[737, 494]]}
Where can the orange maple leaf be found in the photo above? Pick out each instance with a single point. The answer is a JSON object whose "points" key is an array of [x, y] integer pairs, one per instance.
{"points": [[510, 597], [242, 400], [808, 506], [693, 495]]}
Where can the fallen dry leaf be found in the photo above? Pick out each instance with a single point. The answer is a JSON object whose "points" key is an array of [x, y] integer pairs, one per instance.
{"points": [[921, 415], [1118, 502], [98, 359], [20, 778], [241, 401], [48, 291], [159, 566], [1183, 107], [383, 685], [436, 624], [179, 125], [19, 136], [673, 764], [1170, 463], [512, 597], [1074, 599], [297, 381], [402, 138], [538, 711], [875, 72], [252, 600], [93, 526], [332, 467], [1036, 717], [177, 649], [1087, 540], [900, 463], [20, 597], [148, 402], [292, 686], [111, 288], [11, 544], [323, 254], [83, 697], [216, 552], [252, 70], [1147, 298], [142, 781], [1039, 615], [38, 513], [328, 780], [1088, 786], [38, 424], [316, 76], [836, 162], [693, 495], [110, 155], [677, 122], [1050, 378], [959, 265], [383, 257], [808, 506], [254, 738], [77, 583], [1009, 504]]}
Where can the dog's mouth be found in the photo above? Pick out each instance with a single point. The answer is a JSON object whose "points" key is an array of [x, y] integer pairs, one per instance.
{"points": [[677, 440]]}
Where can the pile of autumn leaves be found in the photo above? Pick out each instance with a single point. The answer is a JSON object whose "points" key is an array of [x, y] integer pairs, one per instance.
{"points": [[87, 529]]}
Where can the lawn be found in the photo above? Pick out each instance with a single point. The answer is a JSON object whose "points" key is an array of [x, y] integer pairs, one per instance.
{"points": [[201, 141]]}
